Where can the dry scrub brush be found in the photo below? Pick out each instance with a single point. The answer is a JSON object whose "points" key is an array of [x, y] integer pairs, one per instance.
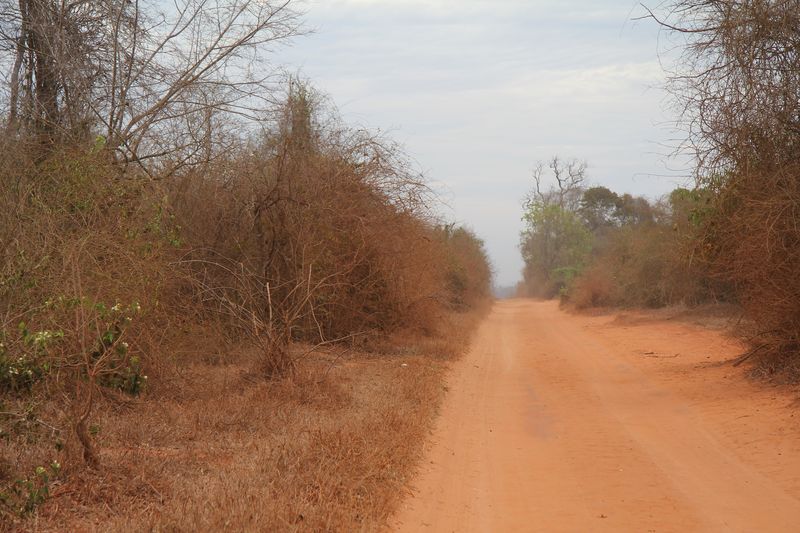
{"points": [[82, 300], [753, 242], [309, 232], [646, 255], [738, 88], [594, 247], [334, 210], [162, 202]]}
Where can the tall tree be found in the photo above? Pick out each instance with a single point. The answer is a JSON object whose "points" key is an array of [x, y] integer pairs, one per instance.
{"points": [[164, 85], [555, 243]]}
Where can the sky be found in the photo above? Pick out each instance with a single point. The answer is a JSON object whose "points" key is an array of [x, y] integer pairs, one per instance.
{"points": [[478, 91]]}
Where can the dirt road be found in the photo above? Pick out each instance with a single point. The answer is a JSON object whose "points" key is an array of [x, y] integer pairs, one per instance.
{"points": [[556, 422]]}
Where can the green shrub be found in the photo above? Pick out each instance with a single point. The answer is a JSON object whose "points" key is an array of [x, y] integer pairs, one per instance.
{"points": [[24, 495]]}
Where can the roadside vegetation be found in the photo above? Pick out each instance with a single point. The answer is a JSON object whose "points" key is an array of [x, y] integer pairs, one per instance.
{"points": [[591, 246], [220, 307], [734, 236]]}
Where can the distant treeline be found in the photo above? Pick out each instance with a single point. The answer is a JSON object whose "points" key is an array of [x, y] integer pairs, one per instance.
{"points": [[594, 247], [735, 236]]}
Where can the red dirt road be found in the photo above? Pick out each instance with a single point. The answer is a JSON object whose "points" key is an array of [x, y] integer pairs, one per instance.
{"points": [[556, 422]]}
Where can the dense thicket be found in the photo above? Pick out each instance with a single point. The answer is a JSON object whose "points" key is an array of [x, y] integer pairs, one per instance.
{"points": [[603, 248], [188, 221], [738, 86]]}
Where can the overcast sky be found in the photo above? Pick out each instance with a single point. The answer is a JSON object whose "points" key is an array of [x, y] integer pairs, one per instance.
{"points": [[480, 90]]}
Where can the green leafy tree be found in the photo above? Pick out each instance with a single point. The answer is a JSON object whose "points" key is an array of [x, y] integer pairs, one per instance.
{"points": [[598, 208], [633, 210], [555, 246], [555, 243]]}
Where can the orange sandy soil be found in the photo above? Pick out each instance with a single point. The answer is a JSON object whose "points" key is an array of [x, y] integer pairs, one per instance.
{"points": [[562, 422]]}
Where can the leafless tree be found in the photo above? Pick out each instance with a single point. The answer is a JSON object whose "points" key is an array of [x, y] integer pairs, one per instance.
{"points": [[161, 85], [569, 180], [736, 80]]}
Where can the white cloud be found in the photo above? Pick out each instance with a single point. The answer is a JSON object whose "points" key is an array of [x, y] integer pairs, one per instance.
{"points": [[479, 90]]}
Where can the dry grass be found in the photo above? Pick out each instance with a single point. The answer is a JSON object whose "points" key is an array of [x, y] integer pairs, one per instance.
{"points": [[152, 372], [213, 446], [330, 448]]}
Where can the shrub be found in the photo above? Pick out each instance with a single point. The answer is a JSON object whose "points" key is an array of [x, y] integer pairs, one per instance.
{"points": [[738, 83], [620, 250], [24, 495], [751, 242], [310, 233], [467, 269]]}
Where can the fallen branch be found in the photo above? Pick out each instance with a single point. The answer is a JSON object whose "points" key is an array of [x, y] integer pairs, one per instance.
{"points": [[655, 355], [747, 355]]}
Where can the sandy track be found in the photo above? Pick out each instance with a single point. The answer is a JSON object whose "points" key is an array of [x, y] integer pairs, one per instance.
{"points": [[555, 422]]}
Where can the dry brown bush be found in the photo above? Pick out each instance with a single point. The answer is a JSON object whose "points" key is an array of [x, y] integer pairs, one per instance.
{"points": [[738, 86], [159, 260], [315, 234], [84, 298], [650, 259], [753, 242], [335, 213], [467, 268], [595, 287], [649, 267]]}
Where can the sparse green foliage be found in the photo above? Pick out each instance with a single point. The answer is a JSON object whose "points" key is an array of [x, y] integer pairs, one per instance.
{"points": [[593, 246], [555, 245], [24, 357], [111, 360], [24, 495]]}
